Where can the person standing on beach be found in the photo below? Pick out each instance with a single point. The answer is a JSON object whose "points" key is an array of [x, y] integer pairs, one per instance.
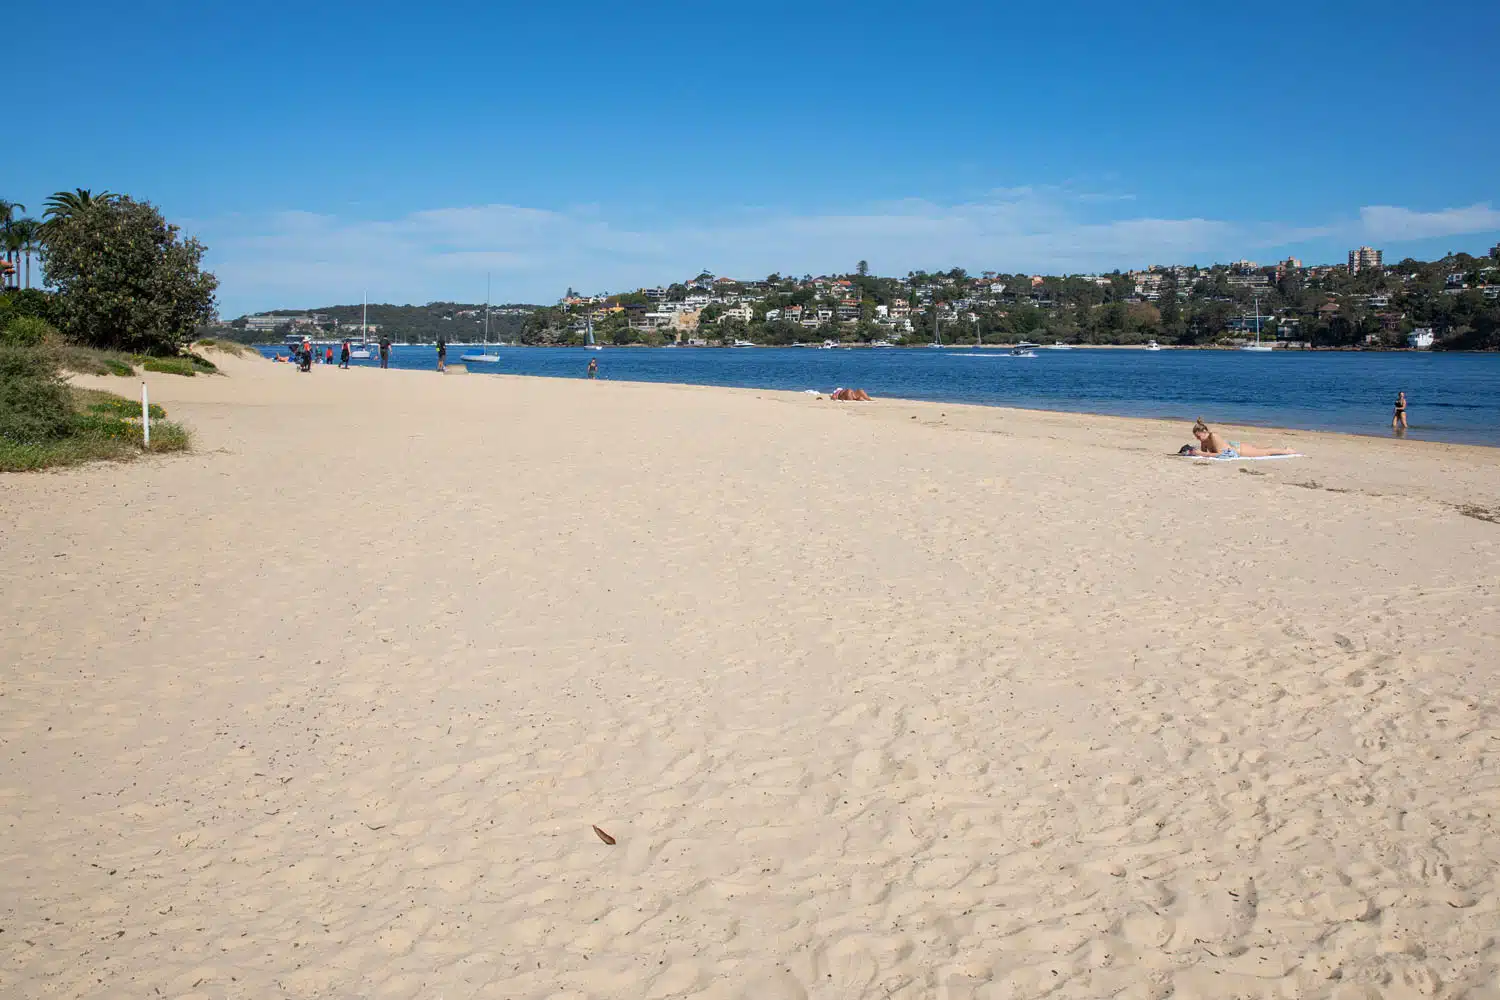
{"points": [[328, 355], [344, 355], [442, 355], [385, 352], [593, 367], [1398, 419]]}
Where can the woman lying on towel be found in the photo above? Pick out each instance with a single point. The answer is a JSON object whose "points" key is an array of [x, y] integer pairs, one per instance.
{"points": [[1212, 445], [858, 395]]}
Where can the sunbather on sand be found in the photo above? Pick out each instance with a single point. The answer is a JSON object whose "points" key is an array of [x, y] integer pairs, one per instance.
{"points": [[858, 395], [1213, 445]]}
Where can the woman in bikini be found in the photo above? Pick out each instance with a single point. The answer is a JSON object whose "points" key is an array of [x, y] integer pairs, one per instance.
{"points": [[1213, 445], [1398, 419]]}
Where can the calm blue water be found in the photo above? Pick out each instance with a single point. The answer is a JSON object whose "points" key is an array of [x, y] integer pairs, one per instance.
{"points": [[1453, 397]]}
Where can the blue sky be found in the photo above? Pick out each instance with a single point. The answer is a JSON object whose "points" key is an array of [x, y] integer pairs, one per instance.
{"points": [[325, 150]]}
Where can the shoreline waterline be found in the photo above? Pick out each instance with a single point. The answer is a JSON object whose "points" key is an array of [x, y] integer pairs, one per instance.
{"points": [[1455, 398]]}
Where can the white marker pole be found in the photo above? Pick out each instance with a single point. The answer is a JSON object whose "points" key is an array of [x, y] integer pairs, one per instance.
{"points": [[145, 417]]}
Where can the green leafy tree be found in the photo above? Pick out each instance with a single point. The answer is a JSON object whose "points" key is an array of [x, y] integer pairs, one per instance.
{"points": [[124, 277], [862, 268]]}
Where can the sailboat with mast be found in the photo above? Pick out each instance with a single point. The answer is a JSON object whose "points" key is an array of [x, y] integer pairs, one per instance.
{"points": [[485, 357], [361, 351], [937, 323], [588, 335], [1257, 346]]}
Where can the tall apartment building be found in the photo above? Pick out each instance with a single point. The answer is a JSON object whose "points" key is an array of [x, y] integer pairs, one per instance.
{"points": [[1364, 259]]}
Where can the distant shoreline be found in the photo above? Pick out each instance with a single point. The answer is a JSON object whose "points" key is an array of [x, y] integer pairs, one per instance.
{"points": [[905, 347]]}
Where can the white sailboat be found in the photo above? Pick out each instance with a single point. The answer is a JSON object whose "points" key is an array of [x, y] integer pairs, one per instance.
{"points": [[588, 336], [1257, 346], [485, 357], [937, 322], [361, 350]]}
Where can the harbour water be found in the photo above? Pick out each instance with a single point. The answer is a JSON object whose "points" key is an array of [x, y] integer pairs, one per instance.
{"points": [[1453, 397]]}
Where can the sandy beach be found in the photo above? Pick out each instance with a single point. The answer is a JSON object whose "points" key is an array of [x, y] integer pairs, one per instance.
{"points": [[876, 700]]}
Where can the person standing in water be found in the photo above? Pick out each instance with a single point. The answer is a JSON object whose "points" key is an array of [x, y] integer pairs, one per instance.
{"points": [[442, 346], [593, 367], [1398, 419]]}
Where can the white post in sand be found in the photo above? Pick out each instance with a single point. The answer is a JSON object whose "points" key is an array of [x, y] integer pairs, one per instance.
{"points": [[145, 417]]}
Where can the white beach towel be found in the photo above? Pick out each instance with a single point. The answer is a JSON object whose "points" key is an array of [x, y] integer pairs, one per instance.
{"points": [[1248, 458]]}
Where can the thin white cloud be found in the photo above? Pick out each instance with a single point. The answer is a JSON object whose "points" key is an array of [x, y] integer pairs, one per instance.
{"points": [[293, 259], [1387, 222]]}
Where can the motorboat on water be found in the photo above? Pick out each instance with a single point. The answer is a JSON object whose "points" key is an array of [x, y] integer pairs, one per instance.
{"points": [[1024, 350], [742, 343], [1152, 345], [1059, 346], [827, 345], [881, 343]]}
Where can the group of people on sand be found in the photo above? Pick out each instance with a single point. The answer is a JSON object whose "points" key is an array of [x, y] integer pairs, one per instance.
{"points": [[304, 356]]}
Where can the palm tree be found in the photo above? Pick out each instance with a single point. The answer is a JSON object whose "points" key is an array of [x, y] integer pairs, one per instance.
{"points": [[30, 231], [12, 241], [66, 205], [8, 211]]}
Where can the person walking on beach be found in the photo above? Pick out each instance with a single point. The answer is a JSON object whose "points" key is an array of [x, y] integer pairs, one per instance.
{"points": [[344, 355], [328, 355], [385, 352], [593, 367], [1398, 419], [442, 355]]}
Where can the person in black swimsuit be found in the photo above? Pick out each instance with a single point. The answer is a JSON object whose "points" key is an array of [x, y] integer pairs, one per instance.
{"points": [[442, 346], [1398, 419]]}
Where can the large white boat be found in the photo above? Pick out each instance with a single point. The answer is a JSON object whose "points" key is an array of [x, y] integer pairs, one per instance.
{"points": [[742, 343], [881, 343], [1059, 346], [1152, 345]]}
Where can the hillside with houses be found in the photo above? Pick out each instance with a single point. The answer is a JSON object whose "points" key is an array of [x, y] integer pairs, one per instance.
{"points": [[1451, 303]]}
